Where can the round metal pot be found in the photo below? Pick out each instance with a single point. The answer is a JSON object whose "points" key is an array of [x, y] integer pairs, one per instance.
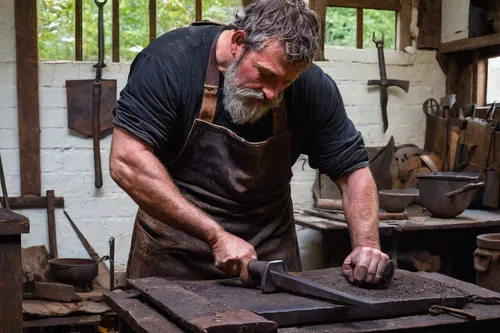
{"points": [[397, 199], [447, 194], [74, 271]]}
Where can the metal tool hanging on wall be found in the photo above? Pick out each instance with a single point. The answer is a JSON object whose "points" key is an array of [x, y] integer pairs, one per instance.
{"points": [[91, 102], [384, 83]]}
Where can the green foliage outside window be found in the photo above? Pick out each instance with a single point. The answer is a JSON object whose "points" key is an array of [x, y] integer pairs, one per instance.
{"points": [[56, 24], [340, 27]]}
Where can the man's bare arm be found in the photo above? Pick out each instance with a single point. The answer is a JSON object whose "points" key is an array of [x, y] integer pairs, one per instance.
{"points": [[360, 203], [135, 168]]}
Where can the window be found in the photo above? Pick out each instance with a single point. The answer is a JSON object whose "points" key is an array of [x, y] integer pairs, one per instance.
{"points": [[139, 21], [493, 81], [354, 27]]}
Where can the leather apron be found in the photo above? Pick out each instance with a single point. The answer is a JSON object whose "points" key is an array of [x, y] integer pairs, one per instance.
{"points": [[244, 186]]}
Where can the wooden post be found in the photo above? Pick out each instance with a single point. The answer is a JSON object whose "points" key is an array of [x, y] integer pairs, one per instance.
{"points": [[116, 31], [319, 6], [27, 96], [51, 219], [78, 31], [12, 225], [152, 20], [404, 24]]}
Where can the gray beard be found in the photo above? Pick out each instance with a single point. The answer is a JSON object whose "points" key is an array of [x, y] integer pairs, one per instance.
{"points": [[236, 99]]}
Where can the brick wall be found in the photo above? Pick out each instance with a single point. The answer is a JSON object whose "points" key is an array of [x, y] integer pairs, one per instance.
{"points": [[67, 160]]}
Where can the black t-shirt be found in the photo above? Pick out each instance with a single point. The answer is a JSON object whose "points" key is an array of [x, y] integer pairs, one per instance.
{"points": [[164, 92]]}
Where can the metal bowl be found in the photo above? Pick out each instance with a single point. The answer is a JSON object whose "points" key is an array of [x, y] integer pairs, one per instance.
{"points": [[74, 271], [447, 194], [397, 199]]}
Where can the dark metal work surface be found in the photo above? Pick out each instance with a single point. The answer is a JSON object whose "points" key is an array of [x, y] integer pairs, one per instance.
{"points": [[187, 300], [137, 316]]}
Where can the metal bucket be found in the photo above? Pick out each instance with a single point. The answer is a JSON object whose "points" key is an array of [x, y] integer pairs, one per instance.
{"points": [[487, 261]]}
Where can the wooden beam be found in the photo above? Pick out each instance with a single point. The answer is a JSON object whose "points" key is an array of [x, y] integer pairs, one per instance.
{"points": [[28, 106], [152, 20], [245, 3], [319, 6], [429, 24], [470, 43], [480, 77], [359, 28], [78, 31], [116, 31], [199, 7], [368, 4], [404, 24], [31, 201]]}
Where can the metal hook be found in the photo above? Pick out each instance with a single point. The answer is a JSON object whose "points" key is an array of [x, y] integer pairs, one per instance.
{"points": [[101, 4], [378, 41]]}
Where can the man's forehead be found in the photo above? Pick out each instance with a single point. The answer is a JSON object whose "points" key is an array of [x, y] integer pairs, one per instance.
{"points": [[272, 58]]}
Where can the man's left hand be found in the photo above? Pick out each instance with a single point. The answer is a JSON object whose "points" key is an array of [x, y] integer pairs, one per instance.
{"points": [[365, 265]]}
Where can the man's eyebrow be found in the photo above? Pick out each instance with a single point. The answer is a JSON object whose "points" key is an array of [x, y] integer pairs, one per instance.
{"points": [[267, 69]]}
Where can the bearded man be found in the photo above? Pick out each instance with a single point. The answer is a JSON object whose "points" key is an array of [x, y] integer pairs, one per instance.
{"points": [[206, 131]]}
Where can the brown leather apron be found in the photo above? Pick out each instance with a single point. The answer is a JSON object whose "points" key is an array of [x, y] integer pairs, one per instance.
{"points": [[244, 186]]}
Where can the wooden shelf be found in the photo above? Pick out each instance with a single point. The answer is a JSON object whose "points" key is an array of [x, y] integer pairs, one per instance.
{"points": [[470, 43]]}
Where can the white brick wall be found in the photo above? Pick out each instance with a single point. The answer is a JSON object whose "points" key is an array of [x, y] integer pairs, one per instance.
{"points": [[67, 161]]}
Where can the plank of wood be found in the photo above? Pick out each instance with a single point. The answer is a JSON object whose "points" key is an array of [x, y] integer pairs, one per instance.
{"points": [[33, 202], [470, 43], [10, 283], [197, 313], [60, 321], [78, 31], [137, 314], [319, 6], [54, 308], [404, 24], [116, 31], [51, 221], [56, 291], [369, 4], [12, 223], [28, 106], [152, 20], [429, 24], [183, 301]]}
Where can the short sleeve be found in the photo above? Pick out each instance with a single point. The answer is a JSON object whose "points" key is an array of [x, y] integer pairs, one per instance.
{"points": [[335, 147], [148, 103]]}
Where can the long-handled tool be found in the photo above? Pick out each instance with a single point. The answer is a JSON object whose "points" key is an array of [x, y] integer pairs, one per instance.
{"points": [[103, 278], [384, 83], [93, 118], [273, 278], [4, 186]]}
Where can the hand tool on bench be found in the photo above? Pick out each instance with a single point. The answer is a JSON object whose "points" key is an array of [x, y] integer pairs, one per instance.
{"points": [[103, 278], [384, 83], [91, 102], [274, 278]]}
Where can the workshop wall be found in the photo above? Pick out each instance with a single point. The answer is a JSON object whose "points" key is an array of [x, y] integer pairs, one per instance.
{"points": [[67, 160]]}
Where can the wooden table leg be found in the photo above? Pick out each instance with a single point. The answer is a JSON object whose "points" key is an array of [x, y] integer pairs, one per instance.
{"points": [[11, 296]]}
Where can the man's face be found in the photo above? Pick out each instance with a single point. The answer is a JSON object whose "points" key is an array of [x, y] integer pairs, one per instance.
{"points": [[255, 81]]}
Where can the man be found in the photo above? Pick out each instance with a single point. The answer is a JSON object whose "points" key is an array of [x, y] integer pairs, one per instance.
{"points": [[206, 131]]}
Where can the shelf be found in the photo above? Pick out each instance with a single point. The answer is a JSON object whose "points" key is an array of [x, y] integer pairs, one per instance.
{"points": [[470, 43]]}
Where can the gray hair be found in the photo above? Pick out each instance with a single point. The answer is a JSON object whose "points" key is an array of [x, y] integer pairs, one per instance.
{"points": [[289, 22]]}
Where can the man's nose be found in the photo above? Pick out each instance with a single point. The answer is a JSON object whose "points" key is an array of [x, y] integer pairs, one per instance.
{"points": [[271, 92]]}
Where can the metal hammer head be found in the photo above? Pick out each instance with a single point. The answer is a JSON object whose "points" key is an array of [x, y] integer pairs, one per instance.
{"points": [[265, 283]]}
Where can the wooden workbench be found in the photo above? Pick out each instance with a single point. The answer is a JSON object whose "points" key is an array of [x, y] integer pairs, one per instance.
{"points": [[135, 315], [453, 239], [12, 225]]}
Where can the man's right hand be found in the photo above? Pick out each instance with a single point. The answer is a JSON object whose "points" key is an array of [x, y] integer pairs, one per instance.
{"points": [[232, 255]]}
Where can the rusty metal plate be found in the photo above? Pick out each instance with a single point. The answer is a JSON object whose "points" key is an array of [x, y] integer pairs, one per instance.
{"points": [[79, 95], [407, 294]]}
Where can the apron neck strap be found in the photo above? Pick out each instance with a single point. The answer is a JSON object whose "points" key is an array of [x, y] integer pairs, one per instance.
{"points": [[211, 86]]}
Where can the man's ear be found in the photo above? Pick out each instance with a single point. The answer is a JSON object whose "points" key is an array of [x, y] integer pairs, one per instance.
{"points": [[238, 42]]}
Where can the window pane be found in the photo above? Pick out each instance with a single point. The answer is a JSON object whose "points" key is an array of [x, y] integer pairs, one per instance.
{"points": [[56, 29], [134, 28], [379, 21], [89, 31], [221, 10], [340, 26], [493, 89], [173, 14]]}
